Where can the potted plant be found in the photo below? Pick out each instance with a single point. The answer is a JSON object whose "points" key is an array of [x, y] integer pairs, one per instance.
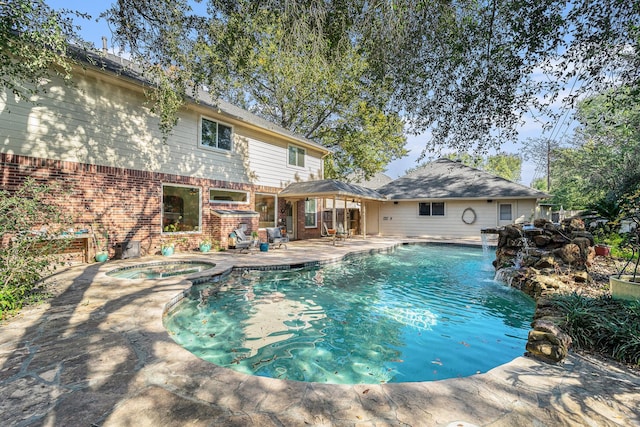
{"points": [[254, 238], [101, 241], [205, 245], [626, 284], [167, 248]]}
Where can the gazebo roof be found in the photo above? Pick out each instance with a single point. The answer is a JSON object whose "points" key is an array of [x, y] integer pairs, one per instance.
{"points": [[329, 188]]}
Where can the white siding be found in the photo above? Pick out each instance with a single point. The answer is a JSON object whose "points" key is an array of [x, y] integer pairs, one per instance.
{"points": [[268, 160], [106, 121], [373, 218], [402, 219]]}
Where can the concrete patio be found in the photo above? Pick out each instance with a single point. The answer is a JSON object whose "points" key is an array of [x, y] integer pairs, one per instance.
{"points": [[97, 354]]}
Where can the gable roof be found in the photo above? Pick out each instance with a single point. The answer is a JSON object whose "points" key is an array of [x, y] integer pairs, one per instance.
{"points": [[376, 181], [329, 188], [447, 179]]}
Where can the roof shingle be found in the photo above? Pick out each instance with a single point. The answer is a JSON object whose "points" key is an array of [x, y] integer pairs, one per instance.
{"points": [[447, 179]]}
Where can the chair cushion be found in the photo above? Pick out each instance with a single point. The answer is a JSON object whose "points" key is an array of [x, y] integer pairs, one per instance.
{"points": [[240, 234]]}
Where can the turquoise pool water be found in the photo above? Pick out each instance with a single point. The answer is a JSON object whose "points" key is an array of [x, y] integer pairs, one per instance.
{"points": [[159, 270], [418, 313]]}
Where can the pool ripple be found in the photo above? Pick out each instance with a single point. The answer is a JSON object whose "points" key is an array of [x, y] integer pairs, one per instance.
{"points": [[410, 315]]}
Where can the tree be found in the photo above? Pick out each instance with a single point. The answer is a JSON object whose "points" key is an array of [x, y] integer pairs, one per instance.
{"points": [[541, 151], [27, 221], [315, 89], [281, 69], [507, 166], [33, 41], [464, 70], [602, 165]]}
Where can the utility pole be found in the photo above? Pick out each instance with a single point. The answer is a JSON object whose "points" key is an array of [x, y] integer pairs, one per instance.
{"points": [[548, 164]]}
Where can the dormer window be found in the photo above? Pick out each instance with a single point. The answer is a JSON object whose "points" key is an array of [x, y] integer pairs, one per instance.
{"points": [[215, 135]]}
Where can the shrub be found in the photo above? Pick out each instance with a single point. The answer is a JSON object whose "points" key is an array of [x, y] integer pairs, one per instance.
{"points": [[28, 220], [603, 325]]}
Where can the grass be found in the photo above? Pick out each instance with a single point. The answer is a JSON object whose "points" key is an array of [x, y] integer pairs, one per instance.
{"points": [[602, 325]]}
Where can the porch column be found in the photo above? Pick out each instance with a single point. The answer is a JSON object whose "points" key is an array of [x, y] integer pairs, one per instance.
{"points": [[344, 217], [363, 218], [334, 217]]}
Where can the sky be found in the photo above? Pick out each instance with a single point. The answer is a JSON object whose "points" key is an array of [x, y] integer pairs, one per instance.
{"points": [[93, 30]]}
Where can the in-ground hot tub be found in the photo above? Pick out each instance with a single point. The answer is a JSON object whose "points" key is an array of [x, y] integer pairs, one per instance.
{"points": [[159, 270]]}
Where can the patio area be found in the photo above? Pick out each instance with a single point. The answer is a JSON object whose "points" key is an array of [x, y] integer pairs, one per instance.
{"points": [[97, 354]]}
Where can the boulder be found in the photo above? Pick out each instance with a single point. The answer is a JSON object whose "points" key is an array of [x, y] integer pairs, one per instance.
{"points": [[548, 261], [547, 341], [569, 253], [581, 276], [542, 223], [573, 224], [541, 240], [584, 235]]}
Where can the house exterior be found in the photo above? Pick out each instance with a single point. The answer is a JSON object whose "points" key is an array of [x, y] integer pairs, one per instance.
{"points": [[446, 199], [220, 166]]}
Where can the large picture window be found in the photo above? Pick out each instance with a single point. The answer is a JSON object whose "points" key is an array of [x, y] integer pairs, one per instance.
{"points": [[431, 208], [266, 207], [180, 209], [214, 134], [310, 214], [505, 212], [296, 156]]}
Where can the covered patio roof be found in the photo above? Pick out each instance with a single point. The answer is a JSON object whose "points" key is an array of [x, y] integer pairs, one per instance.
{"points": [[330, 188]]}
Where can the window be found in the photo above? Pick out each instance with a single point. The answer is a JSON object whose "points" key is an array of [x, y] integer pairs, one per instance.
{"points": [[266, 207], [220, 195], [215, 135], [505, 212], [180, 209], [296, 156], [431, 208], [310, 213]]}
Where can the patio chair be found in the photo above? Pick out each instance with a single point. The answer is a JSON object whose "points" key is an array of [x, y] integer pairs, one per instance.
{"points": [[242, 241], [274, 237], [340, 232]]}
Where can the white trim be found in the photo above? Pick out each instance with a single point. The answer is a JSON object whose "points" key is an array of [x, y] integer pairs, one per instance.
{"points": [[275, 209], [297, 154], [168, 184], [444, 206], [500, 205], [218, 122], [315, 200], [229, 202]]}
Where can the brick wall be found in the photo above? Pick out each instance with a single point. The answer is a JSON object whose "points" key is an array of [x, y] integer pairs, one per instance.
{"points": [[127, 203]]}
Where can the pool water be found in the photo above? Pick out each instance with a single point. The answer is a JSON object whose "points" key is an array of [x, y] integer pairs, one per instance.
{"points": [[159, 270], [418, 313]]}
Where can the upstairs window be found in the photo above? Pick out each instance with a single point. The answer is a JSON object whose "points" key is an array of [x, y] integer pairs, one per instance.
{"points": [[431, 208], [215, 135], [296, 156]]}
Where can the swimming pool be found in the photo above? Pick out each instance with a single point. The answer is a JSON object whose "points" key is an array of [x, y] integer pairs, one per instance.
{"points": [[418, 313]]}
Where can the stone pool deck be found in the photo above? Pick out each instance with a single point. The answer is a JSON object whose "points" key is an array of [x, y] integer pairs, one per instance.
{"points": [[97, 354]]}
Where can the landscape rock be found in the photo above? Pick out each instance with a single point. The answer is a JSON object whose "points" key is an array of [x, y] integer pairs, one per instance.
{"points": [[541, 261]]}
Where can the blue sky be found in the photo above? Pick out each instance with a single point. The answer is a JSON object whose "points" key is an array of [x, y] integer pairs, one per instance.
{"points": [[93, 30]]}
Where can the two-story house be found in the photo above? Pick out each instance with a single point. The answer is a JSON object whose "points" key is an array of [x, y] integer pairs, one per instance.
{"points": [[219, 167]]}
